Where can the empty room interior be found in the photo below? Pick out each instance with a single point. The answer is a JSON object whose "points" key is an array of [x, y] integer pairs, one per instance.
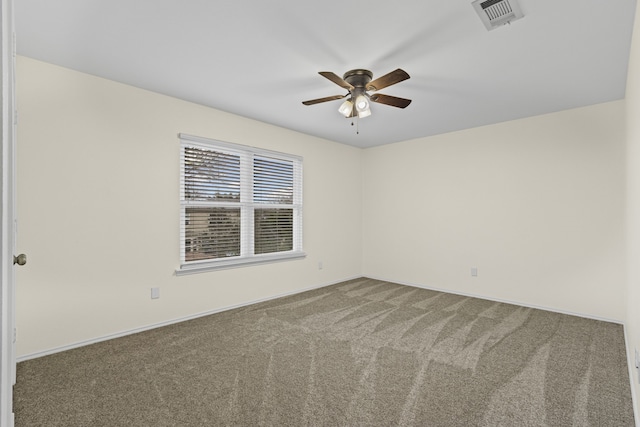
{"points": [[502, 176]]}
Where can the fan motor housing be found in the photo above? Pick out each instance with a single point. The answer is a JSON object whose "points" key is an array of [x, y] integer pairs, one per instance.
{"points": [[358, 77]]}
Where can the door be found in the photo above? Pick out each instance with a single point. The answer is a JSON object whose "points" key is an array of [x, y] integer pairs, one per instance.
{"points": [[8, 227]]}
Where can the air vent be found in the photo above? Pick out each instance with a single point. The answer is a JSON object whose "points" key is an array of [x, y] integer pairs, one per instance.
{"points": [[495, 13]]}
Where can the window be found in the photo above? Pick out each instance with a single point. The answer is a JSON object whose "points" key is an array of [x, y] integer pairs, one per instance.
{"points": [[239, 205]]}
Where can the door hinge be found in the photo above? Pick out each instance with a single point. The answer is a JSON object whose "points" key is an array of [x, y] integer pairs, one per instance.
{"points": [[15, 335]]}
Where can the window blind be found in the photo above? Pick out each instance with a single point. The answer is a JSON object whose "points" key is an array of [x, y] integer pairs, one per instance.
{"points": [[238, 204]]}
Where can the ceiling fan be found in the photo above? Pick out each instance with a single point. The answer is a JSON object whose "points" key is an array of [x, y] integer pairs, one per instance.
{"points": [[358, 82]]}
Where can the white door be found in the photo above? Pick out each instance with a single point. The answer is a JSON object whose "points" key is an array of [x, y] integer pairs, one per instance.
{"points": [[8, 229]]}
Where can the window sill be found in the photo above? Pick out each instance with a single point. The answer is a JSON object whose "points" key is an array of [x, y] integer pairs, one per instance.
{"points": [[204, 266]]}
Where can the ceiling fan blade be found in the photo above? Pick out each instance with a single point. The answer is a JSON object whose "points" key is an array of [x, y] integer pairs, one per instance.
{"points": [[394, 101], [319, 100], [337, 80], [388, 79]]}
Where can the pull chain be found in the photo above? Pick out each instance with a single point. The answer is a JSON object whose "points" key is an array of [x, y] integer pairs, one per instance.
{"points": [[357, 124]]}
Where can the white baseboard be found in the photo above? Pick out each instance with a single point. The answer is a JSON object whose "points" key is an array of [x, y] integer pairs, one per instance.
{"points": [[520, 303], [168, 322]]}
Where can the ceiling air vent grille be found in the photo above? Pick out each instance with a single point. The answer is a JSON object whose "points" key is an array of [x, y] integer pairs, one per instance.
{"points": [[495, 13]]}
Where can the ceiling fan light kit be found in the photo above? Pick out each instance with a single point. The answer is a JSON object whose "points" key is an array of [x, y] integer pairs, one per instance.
{"points": [[361, 103], [364, 113], [346, 108], [358, 82]]}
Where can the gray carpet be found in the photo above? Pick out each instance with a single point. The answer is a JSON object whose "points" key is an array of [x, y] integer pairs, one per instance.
{"points": [[359, 353]]}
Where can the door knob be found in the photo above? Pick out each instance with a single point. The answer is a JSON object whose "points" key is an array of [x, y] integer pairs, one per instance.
{"points": [[20, 259]]}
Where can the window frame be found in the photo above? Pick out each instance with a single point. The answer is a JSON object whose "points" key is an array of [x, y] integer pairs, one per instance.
{"points": [[247, 206]]}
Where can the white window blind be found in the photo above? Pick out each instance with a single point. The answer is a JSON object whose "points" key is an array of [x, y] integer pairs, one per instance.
{"points": [[239, 205]]}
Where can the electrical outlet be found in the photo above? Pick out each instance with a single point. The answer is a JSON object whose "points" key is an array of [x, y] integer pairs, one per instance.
{"points": [[474, 271], [320, 265], [155, 293]]}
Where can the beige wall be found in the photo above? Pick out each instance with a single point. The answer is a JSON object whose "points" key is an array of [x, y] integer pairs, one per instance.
{"points": [[537, 205], [633, 202], [98, 208]]}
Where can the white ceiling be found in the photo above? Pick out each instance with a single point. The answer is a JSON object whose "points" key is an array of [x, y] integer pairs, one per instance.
{"points": [[260, 59]]}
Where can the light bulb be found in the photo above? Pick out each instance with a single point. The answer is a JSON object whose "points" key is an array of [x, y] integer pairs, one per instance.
{"points": [[364, 113], [346, 108], [362, 103]]}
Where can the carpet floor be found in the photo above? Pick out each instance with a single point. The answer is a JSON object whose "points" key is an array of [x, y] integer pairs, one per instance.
{"points": [[358, 353]]}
